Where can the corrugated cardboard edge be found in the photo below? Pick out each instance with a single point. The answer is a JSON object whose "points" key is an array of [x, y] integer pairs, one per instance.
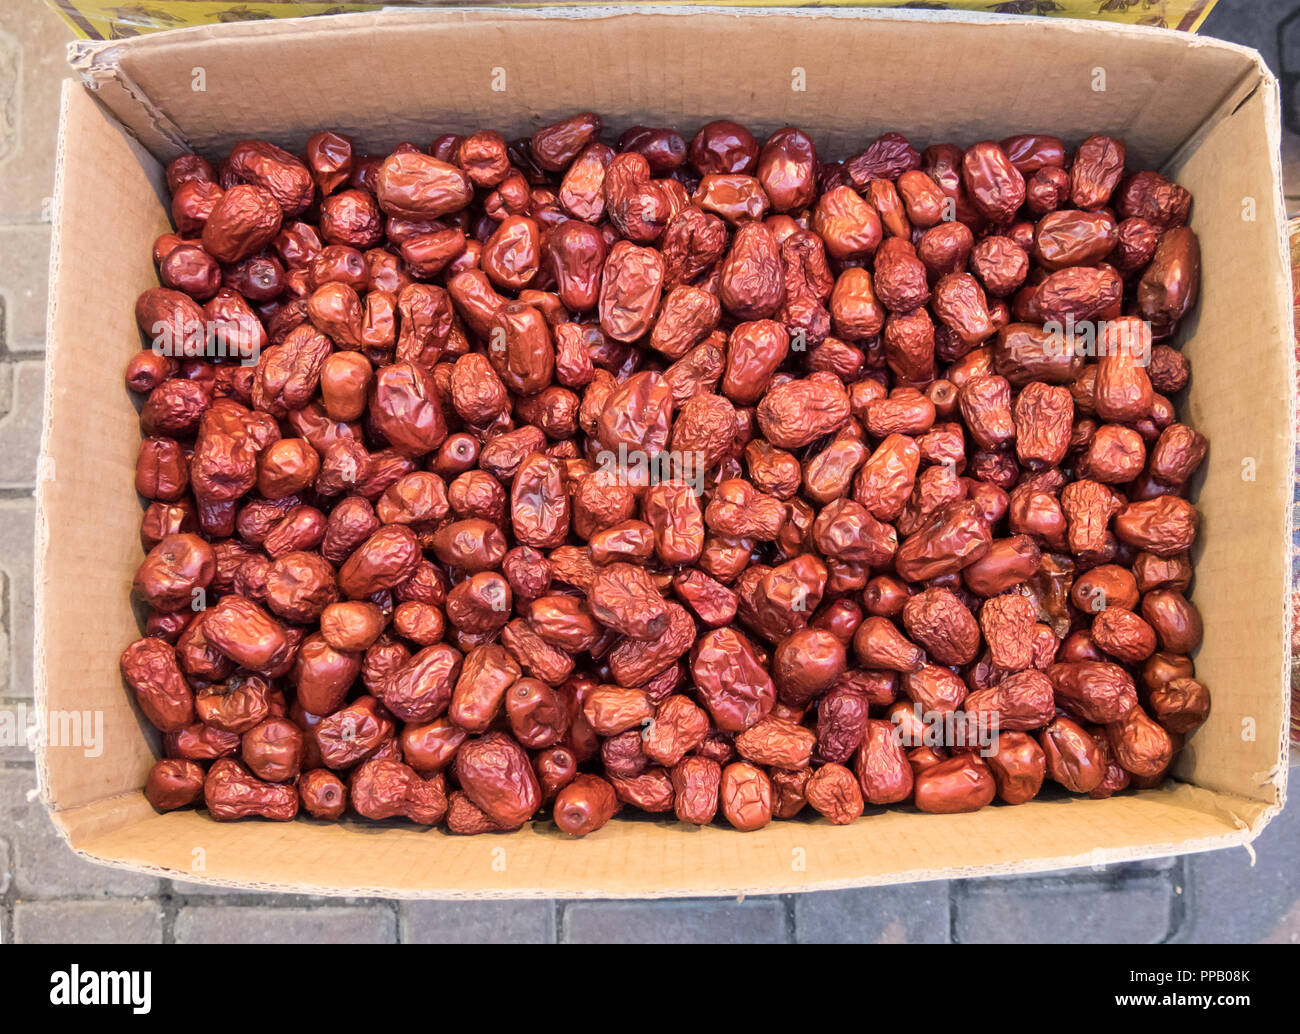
{"points": [[1094, 859], [1266, 83], [1272, 97], [45, 468], [45, 462], [150, 126], [1273, 104], [99, 62]]}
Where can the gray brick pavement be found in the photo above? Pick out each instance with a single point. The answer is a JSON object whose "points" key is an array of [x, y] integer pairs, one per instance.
{"points": [[6, 866], [478, 922], [201, 891], [914, 914], [32, 66], [255, 924], [21, 386], [16, 717], [1215, 897], [88, 922], [1092, 908], [17, 530], [43, 865], [23, 283], [710, 921], [1231, 900]]}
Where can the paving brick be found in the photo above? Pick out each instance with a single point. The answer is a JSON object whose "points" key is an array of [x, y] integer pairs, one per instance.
{"points": [[916, 913], [24, 276], [706, 921], [6, 864], [255, 924], [203, 893], [1116, 870], [203, 890], [1078, 909], [21, 387], [1147, 865], [32, 65], [478, 922], [15, 720], [17, 530], [1229, 901], [43, 864], [87, 922]]}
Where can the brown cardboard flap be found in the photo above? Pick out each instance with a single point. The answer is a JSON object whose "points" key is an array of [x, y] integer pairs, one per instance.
{"points": [[1242, 398], [654, 857], [109, 202], [969, 76]]}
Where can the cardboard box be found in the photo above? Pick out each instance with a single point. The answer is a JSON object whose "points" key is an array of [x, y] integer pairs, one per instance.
{"points": [[1205, 112]]}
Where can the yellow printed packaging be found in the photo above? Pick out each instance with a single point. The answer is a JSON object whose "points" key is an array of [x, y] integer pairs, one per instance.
{"points": [[113, 19], [1204, 112]]}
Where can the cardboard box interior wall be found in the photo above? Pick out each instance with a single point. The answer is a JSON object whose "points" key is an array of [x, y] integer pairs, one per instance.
{"points": [[1205, 112]]}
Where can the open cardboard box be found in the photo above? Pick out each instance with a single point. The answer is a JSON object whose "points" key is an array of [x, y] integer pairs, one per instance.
{"points": [[1203, 111]]}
